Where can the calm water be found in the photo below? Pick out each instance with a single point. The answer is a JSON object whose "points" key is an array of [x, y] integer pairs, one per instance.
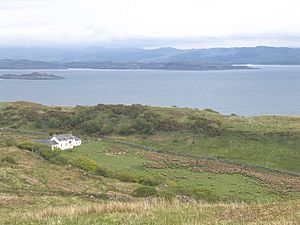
{"points": [[269, 90]]}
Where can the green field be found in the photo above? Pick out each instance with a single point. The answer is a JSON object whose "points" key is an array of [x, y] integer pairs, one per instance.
{"points": [[233, 187], [274, 152]]}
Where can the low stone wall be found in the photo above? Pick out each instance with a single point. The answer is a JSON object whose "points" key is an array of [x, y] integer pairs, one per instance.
{"points": [[169, 152]]}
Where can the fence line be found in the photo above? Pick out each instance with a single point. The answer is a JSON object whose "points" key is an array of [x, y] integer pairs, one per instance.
{"points": [[22, 131]]}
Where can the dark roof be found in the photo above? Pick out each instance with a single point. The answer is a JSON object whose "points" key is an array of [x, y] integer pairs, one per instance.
{"points": [[53, 142], [45, 142], [63, 137]]}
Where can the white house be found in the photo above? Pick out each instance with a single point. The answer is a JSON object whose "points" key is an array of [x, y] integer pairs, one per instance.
{"points": [[64, 141]]}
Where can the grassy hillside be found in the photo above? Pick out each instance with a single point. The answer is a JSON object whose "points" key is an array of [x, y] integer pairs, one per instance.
{"points": [[107, 182], [62, 197], [35, 191], [200, 179], [271, 141], [31, 175]]}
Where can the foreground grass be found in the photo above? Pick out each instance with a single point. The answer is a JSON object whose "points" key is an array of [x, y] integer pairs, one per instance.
{"points": [[160, 212]]}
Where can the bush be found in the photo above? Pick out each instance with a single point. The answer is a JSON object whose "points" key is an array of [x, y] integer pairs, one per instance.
{"points": [[143, 127], [58, 160], [44, 151], [151, 180], [106, 129], [9, 159], [101, 171], [53, 123], [90, 126], [202, 125], [85, 164], [30, 146], [102, 196], [126, 177], [145, 192], [40, 124], [125, 129]]}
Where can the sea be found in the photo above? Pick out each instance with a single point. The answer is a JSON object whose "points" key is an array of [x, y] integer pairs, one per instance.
{"points": [[266, 90]]}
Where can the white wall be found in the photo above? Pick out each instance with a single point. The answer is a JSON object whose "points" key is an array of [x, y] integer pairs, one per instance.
{"points": [[63, 145]]}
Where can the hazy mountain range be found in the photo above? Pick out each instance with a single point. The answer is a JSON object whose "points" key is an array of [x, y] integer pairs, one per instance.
{"points": [[245, 55]]}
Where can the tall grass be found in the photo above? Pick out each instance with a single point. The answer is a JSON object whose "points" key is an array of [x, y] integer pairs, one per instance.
{"points": [[159, 211]]}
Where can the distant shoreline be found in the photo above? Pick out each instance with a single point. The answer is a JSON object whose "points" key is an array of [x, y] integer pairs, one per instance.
{"points": [[181, 66]]}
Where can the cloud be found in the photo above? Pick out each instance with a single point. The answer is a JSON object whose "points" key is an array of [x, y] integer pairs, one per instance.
{"points": [[108, 22]]}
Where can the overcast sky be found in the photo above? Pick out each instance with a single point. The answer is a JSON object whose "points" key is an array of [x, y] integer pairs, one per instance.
{"points": [[150, 23]]}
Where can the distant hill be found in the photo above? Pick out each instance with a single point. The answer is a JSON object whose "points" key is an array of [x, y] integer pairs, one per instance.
{"points": [[86, 54], [29, 64], [243, 55], [257, 55]]}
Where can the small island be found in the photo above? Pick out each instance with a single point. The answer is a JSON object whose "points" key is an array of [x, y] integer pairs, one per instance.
{"points": [[31, 76]]}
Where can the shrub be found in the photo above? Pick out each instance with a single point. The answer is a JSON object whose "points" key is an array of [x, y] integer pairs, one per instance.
{"points": [[44, 151], [9, 159], [85, 164], [29, 145], [202, 125], [101, 196], [125, 129], [151, 180], [145, 192], [59, 160], [101, 171], [143, 127], [39, 124], [106, 129], [53, 123], [90, 126], [126, 177]]}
